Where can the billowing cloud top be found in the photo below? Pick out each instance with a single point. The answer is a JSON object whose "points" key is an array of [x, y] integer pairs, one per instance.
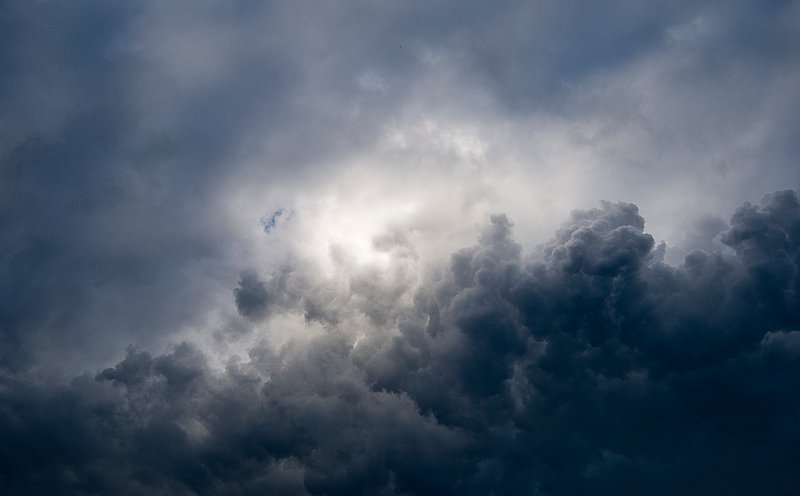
{"points": [[267, 248]]}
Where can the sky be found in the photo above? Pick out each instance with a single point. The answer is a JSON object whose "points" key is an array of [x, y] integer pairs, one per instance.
{"points": [[399, 248]]}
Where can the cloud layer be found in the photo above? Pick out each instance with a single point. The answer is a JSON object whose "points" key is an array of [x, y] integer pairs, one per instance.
{"points": [[232, 247], [588, 366]]}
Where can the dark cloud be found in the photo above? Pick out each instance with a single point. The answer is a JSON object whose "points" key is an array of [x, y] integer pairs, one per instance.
{"points": [[252, 297], [233, 351], [586, 367]]}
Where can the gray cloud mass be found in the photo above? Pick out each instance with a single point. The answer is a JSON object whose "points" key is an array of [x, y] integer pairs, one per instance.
{"points": [[588, 367], [350, 247]]}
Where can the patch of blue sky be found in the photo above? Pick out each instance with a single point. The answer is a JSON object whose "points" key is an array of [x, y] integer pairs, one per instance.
{"points": [[269, 223]]}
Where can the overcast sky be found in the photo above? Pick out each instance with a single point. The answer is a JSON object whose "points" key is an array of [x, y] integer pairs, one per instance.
{"points": [[399, 248]]}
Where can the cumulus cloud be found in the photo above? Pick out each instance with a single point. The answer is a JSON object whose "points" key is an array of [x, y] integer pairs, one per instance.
{"points": [[255, 247], [585, 366]]}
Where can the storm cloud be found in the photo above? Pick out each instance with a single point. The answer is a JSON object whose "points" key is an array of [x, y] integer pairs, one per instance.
{"points": [[399, 248], [587, 366]]}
